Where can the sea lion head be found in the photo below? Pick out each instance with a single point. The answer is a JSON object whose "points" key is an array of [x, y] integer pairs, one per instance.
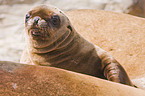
{"points": [[43, 22]]}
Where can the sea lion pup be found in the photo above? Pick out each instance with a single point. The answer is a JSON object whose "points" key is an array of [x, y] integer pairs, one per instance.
{"points": [[29, 80], [52, 41]]}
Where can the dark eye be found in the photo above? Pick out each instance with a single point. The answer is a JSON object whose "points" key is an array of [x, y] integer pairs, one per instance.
{"points": [[55, 20], [27, 17]]}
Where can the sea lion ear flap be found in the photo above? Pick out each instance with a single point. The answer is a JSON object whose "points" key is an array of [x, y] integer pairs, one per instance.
{"points": [[69, 27]]}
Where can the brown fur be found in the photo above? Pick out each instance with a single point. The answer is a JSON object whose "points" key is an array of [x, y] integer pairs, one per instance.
{"points": [[27, 80], [70, 51], [121, 35]]}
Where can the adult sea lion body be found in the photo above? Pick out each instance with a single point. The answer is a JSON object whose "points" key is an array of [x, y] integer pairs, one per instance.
{"points": [[52, 41], [28, 80]]}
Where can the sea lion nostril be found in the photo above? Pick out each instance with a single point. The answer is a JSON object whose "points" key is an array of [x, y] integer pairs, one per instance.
{"points": [[36, 19]]}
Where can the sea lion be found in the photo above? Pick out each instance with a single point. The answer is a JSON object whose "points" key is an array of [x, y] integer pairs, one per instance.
{"points": [[52, 41], [122, 35], [29, 80]]}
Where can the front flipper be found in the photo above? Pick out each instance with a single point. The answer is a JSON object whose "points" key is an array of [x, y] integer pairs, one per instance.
{"points": [[113, 71]]}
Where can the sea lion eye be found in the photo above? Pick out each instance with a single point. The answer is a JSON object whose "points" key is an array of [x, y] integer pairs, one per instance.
{"points": [[55, 20], [69, 27], [27, 17]]}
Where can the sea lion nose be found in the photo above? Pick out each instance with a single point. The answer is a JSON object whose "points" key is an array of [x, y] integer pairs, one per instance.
{"points": [[36, 19]]}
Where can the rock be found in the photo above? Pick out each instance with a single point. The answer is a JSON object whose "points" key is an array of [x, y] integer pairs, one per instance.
{"points": [[111, 5], [137, 8], [21, 80], [12, 2], [120, 6]]}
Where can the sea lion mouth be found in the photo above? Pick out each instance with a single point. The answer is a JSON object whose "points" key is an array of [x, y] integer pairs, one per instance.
{"points": [[35, 33]]}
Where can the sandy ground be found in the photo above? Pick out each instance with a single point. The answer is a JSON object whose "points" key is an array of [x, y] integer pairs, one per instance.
{"points": [[12, 14]]}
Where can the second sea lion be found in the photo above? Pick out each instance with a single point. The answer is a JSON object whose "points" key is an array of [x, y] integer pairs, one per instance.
{"points": [[18, 79], [52, 41]]}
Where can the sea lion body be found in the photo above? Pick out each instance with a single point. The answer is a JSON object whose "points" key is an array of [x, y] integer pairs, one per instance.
{"points": [[52, 41], [28, 80]]}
